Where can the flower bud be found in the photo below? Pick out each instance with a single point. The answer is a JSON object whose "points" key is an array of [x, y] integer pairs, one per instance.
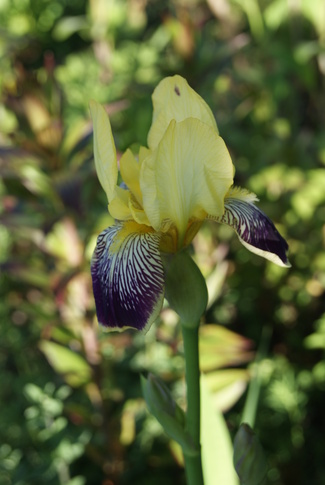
{"points": [[249, 458], [163, 407]]}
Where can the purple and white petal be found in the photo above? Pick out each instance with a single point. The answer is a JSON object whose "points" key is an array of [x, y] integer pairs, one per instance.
{"points": [[254, 229], [128, 277]]}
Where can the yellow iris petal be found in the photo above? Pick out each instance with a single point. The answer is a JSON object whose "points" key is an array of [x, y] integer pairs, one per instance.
{"points": [[143, 153], [187, 176], [119, 207], [138, 214], [174, 99], [130, 171], [104, 149], [123, 207]]}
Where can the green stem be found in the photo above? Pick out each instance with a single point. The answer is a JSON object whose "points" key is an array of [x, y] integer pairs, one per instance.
{"points": [[251, 403], [193, 465]]}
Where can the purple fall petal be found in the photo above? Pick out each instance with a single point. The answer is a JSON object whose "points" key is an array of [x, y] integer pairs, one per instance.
{"points": [[128, 277], [255, 230]]}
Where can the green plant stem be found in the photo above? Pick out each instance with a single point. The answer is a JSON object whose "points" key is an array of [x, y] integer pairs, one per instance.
{"points": [[251, 403], [193, 465]]}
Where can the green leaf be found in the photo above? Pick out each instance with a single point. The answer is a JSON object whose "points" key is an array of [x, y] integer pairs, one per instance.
{"points": [[68, 26], [216, 444], [163, 407], [227, 386], [219, 347], [64, 361], [249, 458]]}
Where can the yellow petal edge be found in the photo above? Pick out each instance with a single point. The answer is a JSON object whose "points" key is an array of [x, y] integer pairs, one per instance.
{"points": [[104, 149]]}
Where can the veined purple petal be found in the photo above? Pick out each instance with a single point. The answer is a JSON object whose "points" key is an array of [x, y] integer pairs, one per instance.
{"points": [[255, 230], [128, 277]]}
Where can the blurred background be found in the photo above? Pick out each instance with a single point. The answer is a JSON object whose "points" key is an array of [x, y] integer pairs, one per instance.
{"points": [[72, 412]]}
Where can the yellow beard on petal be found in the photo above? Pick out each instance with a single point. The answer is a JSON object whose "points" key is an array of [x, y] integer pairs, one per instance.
{"points": [[171, 242], [192, 229], [129, 227]]}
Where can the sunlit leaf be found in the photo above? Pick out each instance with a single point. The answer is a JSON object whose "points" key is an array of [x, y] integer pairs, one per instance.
{"points": [[220, 347], [64, 242], [67, 26], [74, 368], [24, 274], [226, 386], [216, 443]]}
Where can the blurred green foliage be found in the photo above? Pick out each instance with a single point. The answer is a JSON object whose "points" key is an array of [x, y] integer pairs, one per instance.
{"points": [[71, 405]]}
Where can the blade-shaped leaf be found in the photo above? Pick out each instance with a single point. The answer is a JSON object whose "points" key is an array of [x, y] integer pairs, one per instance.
{"points": [[64, 361], [216, 444], [219, 347]]}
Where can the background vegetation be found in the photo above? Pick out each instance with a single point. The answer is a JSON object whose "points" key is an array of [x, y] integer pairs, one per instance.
{"points": [[71, 405]]}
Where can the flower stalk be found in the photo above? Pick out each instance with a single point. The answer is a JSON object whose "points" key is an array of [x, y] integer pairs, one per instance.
{"points": [[187, 294], [193, 464]]}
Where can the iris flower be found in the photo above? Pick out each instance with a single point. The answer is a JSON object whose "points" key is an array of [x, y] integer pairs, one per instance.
{"points": [[169, 189]]}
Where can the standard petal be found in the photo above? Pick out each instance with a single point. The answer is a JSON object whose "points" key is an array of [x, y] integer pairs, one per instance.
{"points": [[174, 99], [104, 149], [119, 206], [143, 153], [254, 229], [128, 277], [130, 171], [187, 176], [138, 214], [125, 207]]}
